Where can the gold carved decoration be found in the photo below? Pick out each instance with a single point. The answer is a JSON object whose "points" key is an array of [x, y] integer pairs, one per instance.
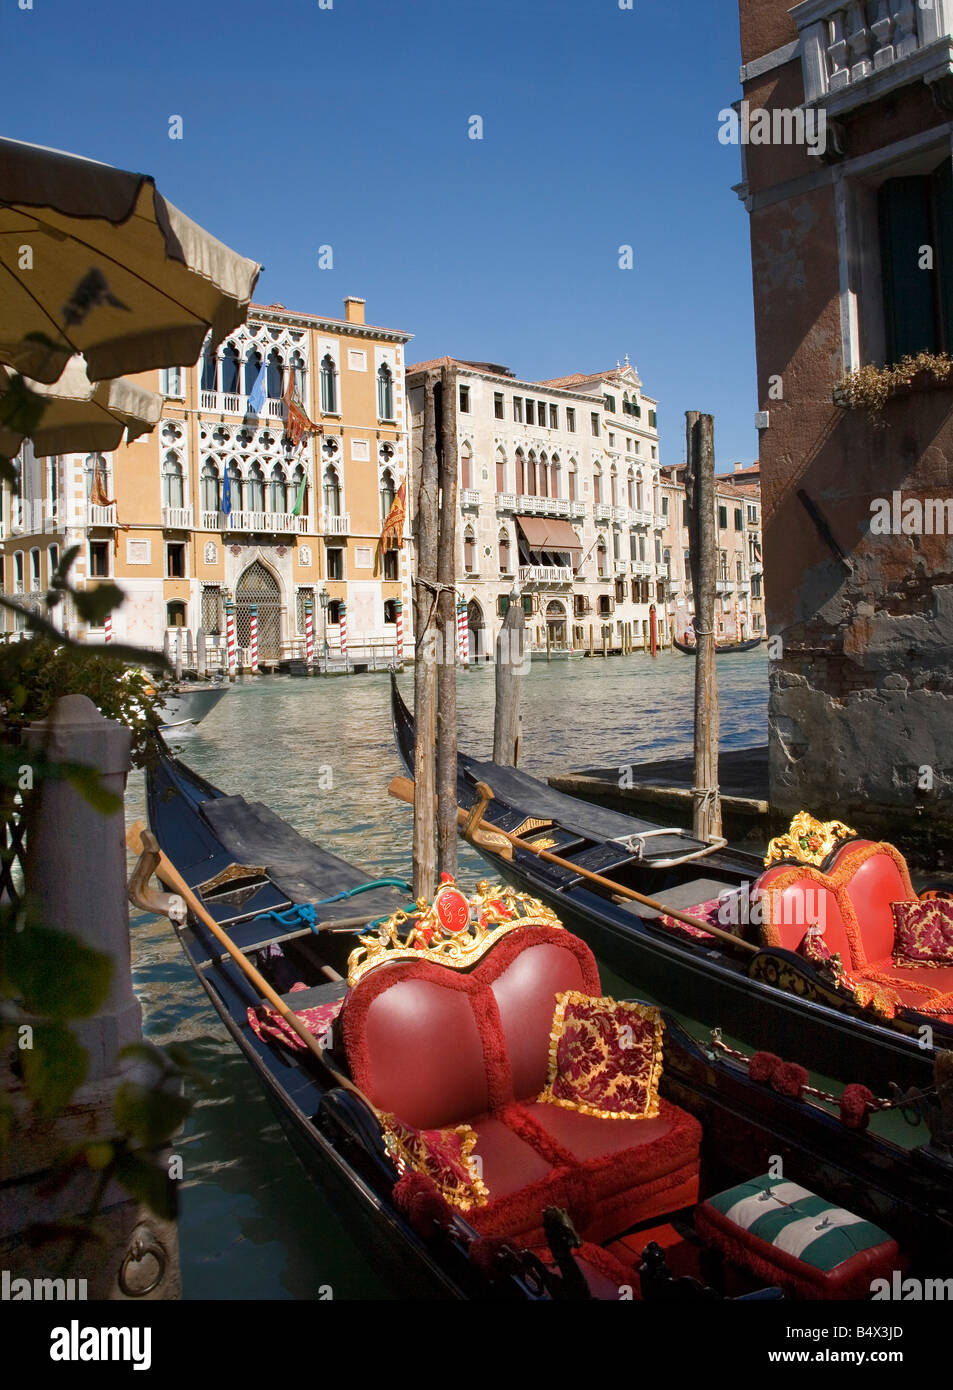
{"points": [[453, 930], [229, 875], [808, 841]]}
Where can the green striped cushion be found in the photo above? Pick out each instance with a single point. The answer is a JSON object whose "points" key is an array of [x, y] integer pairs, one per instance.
{"points": [[790, 1218]]}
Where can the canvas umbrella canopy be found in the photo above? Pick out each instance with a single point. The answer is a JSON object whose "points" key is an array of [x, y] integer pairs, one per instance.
{"points": [[93, 260], [79, 415]]}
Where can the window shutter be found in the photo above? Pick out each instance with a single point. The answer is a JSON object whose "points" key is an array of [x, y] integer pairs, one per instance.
{"points": [[943, 205], [908, 290]]}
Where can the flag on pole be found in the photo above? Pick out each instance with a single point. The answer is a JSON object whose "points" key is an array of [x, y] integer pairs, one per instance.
{"points": [[297, 423], [257, 398], [392, 536], [227, 493]]}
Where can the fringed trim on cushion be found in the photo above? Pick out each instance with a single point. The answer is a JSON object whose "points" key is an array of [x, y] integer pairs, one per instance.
{"points": [[444, 1156], [591, 1060]]}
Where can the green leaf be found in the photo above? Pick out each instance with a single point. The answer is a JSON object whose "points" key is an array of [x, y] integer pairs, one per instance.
{"points": [[53, 1067], [94, 604], [147, 1114], [21, 409], [149, 1181], [55, 975]]}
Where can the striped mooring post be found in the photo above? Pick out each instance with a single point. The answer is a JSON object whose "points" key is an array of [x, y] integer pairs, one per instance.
{"points": [[309, 632], [399, 618], [230, 639], [108, 627], [253, 634], [343, 628], [463, 634]]}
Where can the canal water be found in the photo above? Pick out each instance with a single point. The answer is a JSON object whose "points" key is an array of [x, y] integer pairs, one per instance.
{"points": [[320, 753]]}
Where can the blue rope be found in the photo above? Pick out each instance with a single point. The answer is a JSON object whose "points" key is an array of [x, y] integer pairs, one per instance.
{"points": [[304, 914]]}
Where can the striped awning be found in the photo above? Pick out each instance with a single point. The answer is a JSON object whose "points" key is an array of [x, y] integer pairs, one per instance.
{"points": [[548, 533]]}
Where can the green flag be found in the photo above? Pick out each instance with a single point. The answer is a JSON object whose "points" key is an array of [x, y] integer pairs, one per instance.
{"points": [[299, 500]]}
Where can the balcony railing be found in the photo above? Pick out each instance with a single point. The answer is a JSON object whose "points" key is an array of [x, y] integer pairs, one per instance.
{"points": [[177, 518], [620, 514], [853, 52], [546, 574], [337, 525], [506, 501], [278, 523], [101, 516], [660, 522], [226, 403], [602, 511], [469, 497], [639, 517], [577, 510], [543, 506]]}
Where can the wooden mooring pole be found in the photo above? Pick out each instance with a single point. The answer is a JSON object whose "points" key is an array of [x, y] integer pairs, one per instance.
{"points": [[425, 667], [447, 621], [700, 490]]}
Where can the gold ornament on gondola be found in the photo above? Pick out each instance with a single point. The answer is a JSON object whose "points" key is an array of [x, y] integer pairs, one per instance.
{"points": [[453, 930], [808, 841]]}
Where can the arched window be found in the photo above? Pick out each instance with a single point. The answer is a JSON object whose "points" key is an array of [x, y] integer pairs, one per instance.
{"points": [[466, 467], [211, 487], [532, 480], [332, 491], [504, 553], [96, 462], [297, 371], [175, 613], [388, 493], [173, 491], [501, 471], [275, 376], [638, 491], [469, 552], [543, 476], [385, 392], [209, 370], [299, 486], [278, 489], [236, 485], [230, 370], [252, 368], [390, 610], [554, 476], [597, 485], [631, 489], [601, 555], [329, 385], [520, 472], [614, 486], [334, 611], [255, 489], [572, 480]]}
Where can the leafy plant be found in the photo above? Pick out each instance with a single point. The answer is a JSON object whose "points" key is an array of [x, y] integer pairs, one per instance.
{"points": [[871, 387]]}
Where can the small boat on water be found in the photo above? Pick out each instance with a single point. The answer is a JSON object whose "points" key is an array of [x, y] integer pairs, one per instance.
{"points": [[408, 1052], [188, 704], [721, 648], [846, 1011]]}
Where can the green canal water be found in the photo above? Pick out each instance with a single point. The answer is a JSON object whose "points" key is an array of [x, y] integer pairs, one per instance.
{"points": [[320, 753]]}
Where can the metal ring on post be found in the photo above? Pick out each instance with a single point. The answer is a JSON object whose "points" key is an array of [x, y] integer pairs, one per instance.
{"points": [[138, 1251]]}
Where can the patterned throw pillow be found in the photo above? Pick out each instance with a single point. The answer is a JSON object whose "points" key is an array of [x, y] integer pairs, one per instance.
{"points": [[443, 1155], [923, 933], [605, 1058]]}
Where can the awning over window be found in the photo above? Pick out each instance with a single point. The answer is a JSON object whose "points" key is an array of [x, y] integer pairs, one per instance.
{"points": [[547, 533]]}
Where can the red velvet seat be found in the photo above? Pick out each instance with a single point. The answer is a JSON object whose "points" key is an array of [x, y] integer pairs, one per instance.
{"points": [[438, 1047]]}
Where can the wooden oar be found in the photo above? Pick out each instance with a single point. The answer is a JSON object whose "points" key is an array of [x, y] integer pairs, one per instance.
{"points": [[403, 789], [144, 843]]}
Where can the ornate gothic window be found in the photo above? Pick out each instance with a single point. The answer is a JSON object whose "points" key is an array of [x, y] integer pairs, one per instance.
{"points": [[385, 392], [275, 376], [252, 368], [329, 385], [332, 492], [211, 487], [278, 489], [388, 493], [230, 370], [255, 489], [173, 490]]}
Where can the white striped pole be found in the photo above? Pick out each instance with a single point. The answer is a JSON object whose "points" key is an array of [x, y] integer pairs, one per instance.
{"points": [[343, 629], [399, 607], [108, 627], [230, 639], [463, 636], [309, 632], [253, 634]]}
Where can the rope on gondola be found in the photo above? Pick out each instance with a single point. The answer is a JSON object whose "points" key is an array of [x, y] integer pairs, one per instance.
{"points": [[304, 914]]}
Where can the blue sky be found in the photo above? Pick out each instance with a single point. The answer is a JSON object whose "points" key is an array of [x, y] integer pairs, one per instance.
{"points": [[348, 127]]}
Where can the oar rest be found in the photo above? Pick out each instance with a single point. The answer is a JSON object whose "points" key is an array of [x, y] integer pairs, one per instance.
{"points": [[821, 876], [448, 1032]]}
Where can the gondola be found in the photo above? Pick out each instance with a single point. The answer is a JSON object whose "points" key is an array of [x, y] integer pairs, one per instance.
{"points": [[769, 995], [516, 1218], [721, 648]]}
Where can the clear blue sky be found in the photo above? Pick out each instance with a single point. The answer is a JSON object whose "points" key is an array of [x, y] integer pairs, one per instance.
{"points": [[305, 126]]}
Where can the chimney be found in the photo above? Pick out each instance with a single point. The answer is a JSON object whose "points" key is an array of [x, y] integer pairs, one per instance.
{"points": [[354, 309], [739, 467]]}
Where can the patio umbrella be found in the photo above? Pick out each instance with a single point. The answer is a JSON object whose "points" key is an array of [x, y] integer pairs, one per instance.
{"points": [[79, 416], [93, 260]]}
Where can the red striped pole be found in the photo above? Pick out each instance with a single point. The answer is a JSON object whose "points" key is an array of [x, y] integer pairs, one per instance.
{"points": [[463, 634], [108, 626], [253, 634], [230, 639], [400, 631], [309, 632], [343, 630]]}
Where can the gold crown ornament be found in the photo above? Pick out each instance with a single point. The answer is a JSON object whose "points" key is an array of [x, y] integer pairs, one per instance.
{"points": [[808, 841], [453, 930]]}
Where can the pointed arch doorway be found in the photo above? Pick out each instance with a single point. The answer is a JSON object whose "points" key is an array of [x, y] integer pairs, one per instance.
{"points": [[259, 586], [477, 635]]}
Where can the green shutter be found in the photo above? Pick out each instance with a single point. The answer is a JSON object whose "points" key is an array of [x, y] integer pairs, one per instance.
{"points": [[943, 214], [909, 318]]}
